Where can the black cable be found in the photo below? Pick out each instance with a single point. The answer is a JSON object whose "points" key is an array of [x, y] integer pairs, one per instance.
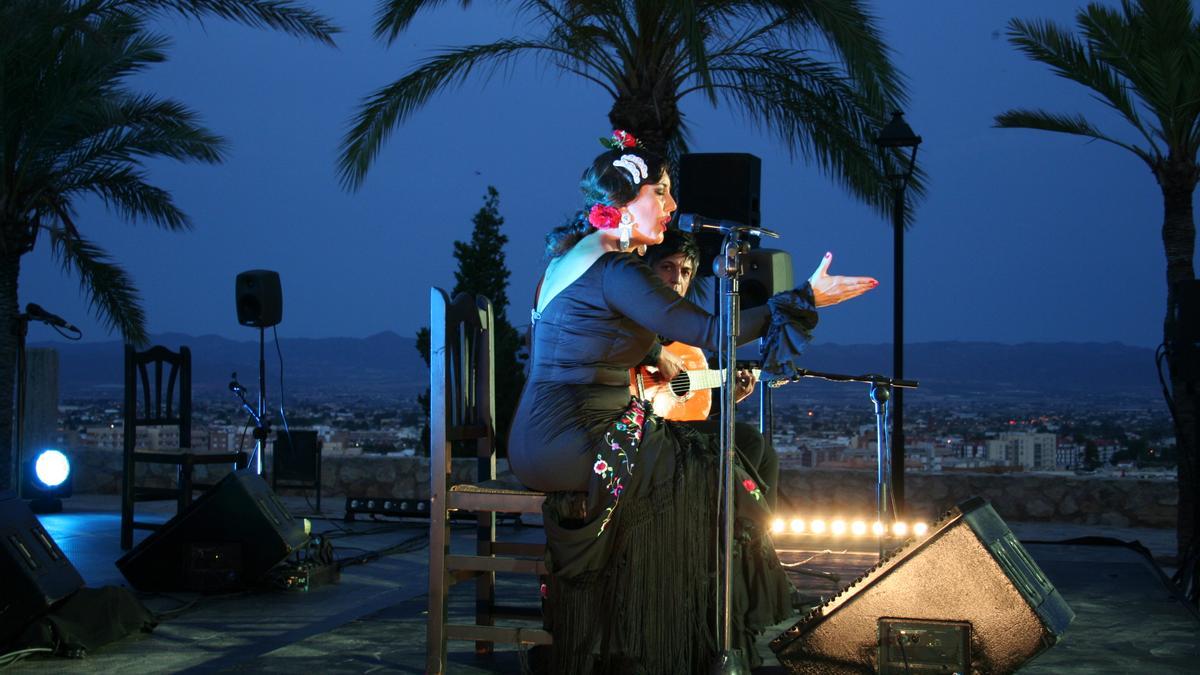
{"points": [[283, 413], [406, 546], [242, 438], [903, 653], [1160, 355]]}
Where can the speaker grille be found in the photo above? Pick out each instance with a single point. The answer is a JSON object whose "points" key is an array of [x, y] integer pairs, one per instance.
{"points": [[970, 569]]}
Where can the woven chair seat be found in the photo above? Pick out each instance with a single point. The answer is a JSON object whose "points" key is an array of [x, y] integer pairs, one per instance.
{"points": [[505, 484]]}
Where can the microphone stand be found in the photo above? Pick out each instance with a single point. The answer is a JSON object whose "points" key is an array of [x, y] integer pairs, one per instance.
{"points": [[881, 394], [262, 428], [21, 331], [728, 269], [21, 328]]}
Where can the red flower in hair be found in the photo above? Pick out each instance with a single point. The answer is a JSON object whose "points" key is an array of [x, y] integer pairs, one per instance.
{"points": [[603, 217], [619, 140]]}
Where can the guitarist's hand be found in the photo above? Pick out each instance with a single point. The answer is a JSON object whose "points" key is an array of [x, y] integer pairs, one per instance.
{"points": [[669, 365], [745, 385], [830, 290]]}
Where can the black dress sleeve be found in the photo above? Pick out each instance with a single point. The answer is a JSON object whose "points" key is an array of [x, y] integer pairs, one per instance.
{"points": [[634, 290]]}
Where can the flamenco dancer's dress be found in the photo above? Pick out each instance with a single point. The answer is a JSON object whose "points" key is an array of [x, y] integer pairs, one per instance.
{"points": [[633, 576]]}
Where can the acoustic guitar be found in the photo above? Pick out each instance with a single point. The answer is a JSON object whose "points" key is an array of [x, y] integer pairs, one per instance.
{"points": [[686, 397]]}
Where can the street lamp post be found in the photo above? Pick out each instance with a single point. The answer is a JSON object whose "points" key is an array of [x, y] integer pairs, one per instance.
{"points": [[892, 142]]}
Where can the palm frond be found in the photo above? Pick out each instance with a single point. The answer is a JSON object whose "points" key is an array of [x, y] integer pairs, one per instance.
{"points": [[284, 15], [852, 34], [393, 16], [1067, 57], [125, 190], [1065, 124], [814, 112], [383, 110], [108, 288]]}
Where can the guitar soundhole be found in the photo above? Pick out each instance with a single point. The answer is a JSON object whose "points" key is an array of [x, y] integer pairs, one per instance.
{"points": [[680, 385]]}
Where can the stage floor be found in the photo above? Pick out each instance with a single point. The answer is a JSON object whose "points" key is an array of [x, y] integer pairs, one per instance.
{"points": [[1127, 620]]}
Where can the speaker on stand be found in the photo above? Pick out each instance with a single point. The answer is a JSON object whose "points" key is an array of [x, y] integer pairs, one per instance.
{"points": [[722, 186], [260, 304], [727, 186]]}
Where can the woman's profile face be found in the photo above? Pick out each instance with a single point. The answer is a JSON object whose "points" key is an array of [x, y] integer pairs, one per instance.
{"points": [[651, 211]]}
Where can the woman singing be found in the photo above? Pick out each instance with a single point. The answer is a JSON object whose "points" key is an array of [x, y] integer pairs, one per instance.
{"points": [[633, 572]]}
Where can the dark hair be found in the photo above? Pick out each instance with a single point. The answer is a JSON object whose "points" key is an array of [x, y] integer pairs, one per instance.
{"points": [[674, 241], [604, 183]]}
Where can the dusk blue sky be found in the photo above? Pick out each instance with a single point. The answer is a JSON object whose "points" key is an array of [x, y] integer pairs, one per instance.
{"points": [[1024, 235]]}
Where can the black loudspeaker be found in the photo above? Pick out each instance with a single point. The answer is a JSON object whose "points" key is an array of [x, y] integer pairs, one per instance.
{"points": [[227, 539], [765, 272], [721, 185], [1186, 312], [35, 573], [967, 598], [296, 456], [259, 298], [1184, 340]]}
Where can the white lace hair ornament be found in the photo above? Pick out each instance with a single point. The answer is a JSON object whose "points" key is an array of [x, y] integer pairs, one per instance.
{"points": [[635, 166]]}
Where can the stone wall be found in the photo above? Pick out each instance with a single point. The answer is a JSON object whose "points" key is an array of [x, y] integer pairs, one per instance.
{"points": [[1086, 500]]}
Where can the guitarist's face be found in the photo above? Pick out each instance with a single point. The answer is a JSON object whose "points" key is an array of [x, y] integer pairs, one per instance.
{"points": [[676, 271]]}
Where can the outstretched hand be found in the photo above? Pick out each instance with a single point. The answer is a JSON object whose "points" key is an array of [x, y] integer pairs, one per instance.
{"points": [[831, 289]]}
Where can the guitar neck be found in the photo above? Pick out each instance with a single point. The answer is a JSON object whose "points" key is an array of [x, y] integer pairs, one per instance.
{"points": [[695, 380]]}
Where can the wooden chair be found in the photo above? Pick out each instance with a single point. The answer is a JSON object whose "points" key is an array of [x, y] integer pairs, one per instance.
{"points": [[150, 401], [462, 409]]}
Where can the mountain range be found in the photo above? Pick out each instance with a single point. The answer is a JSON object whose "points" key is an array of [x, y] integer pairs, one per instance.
{"points": [[388, 365]]}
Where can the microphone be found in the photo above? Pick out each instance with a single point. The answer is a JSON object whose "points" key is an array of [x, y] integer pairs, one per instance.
{"points": [[36, 313], [696, 223], [235, 386]]}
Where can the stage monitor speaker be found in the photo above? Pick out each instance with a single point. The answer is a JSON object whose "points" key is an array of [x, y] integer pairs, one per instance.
{"points": [[259, 298], [966, 598], [765, 272], [36, 573], [721, 185], [229, 538]]}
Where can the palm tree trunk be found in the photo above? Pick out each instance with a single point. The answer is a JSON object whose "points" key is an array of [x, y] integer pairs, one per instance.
{"points": [[10, 265], [1179, 242]]}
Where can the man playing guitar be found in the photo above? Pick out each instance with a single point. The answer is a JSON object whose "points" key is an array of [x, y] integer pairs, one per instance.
{"points": [[675, 261]]}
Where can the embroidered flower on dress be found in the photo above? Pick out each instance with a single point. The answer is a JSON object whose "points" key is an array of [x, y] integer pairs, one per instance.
{"points": [[600, 467], [752, 487], [604, 217]]}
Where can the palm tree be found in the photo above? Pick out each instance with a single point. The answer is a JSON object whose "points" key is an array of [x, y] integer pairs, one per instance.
{"points": [[1143, 61], [69, 128], [650, 54]]}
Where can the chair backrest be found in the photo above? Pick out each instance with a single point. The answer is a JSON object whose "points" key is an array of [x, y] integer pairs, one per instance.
{"points": [[462, 378], [158, 391]]}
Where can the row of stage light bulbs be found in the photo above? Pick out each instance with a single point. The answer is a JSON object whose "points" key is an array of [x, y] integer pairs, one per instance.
{"points": [[839, 527]]}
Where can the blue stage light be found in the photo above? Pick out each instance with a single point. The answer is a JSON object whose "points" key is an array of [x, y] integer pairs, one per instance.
{"points": [[52, 468], [46, 478]]}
